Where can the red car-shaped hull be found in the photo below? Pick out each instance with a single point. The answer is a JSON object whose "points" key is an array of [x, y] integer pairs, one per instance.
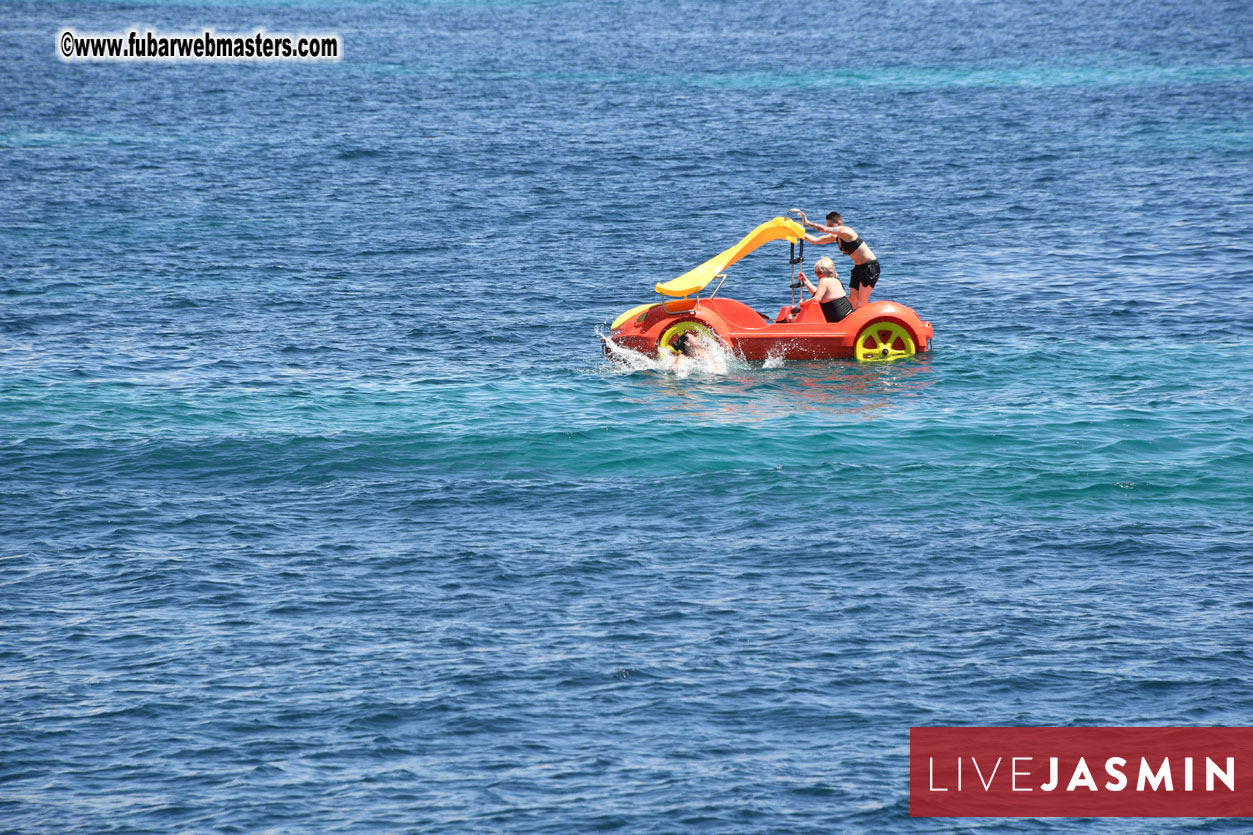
{"points": [[878, 331]]}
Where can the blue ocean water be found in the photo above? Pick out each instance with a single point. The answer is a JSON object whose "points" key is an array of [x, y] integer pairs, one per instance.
{"points": [[320, 508]]}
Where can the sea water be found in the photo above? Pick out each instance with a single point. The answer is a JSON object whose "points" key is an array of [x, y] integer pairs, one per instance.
{"points": [[322, 509]]}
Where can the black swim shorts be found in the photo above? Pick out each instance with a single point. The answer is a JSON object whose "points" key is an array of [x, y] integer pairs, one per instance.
{"points": [[864, 275]]}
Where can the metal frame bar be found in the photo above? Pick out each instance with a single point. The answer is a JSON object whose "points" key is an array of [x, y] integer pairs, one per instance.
{"points": [[697, 299], [684, 299]]}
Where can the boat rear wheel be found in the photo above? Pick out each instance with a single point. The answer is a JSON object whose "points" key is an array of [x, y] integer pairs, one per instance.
{"points": [[883, 342]]}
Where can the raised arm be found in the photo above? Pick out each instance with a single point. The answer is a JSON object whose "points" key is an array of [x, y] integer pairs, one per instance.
{"points": [[807, 222], [826, 233]]}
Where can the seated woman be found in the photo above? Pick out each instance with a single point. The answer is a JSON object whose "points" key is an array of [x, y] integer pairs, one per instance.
{"points": [[830, 292]]}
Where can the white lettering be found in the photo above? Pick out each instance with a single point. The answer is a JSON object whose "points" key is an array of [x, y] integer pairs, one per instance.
{"points": [[1052, 783], [1113, 767], [1228, 776], [931, 773], [1081, 777], [1014, 772], [1155, 779], [987, 784]]}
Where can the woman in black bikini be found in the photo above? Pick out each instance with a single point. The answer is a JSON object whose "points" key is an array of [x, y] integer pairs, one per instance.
{"points": [[865, 266], [830, 292]]}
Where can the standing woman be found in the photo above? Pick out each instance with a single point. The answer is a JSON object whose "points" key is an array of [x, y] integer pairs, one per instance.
{"points": [[865, 274]]}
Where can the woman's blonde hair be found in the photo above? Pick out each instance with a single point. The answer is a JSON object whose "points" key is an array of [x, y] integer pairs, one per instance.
{"points": [[825, 266]]}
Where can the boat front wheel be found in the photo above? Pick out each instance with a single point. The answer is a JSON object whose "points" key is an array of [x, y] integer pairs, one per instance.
{"points": [[665, 345]]}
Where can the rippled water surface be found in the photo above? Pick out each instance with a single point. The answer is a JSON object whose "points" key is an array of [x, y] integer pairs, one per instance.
{"points": [[320, 508]]}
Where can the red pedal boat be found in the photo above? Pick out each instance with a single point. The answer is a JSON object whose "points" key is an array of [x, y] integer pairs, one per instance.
{"points": [[876, 332]]}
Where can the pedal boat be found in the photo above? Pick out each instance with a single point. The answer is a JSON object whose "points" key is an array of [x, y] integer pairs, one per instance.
{"points": [[877, 332]]}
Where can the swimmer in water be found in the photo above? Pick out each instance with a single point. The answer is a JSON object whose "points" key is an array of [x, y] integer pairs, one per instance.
{"points": [[695, 355], [865, 274], [688, 345]]}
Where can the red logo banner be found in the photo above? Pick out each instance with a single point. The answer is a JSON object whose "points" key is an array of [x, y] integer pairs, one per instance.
{"points": [[1080, 772]]}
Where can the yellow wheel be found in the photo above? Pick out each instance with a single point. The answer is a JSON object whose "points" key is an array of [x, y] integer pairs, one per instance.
{"points": [[883, 341], [672, 333]]}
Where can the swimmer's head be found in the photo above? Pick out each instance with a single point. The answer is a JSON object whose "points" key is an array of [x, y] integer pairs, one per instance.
{"points": [[685, 343], [824, 267], [834, 218]]}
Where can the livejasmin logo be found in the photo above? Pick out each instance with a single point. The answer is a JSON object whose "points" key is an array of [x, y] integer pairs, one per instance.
{"points": [[1080, 772], [1149, 779]]}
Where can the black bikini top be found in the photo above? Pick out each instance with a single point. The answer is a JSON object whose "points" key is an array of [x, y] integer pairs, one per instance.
{"points": [[849, 247]]}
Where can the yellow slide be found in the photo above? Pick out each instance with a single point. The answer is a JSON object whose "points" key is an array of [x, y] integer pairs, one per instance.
{"points": [[693, 281]]}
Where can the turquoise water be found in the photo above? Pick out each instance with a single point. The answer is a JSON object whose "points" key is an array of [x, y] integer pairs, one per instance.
{"points": [[320, 507]]}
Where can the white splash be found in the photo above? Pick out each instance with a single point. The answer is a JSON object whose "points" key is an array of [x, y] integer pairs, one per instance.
{"points": [[714, 358], [625, 359], [717, 359]]}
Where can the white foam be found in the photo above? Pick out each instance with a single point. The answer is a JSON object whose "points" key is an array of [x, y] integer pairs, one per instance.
{"points": [[718, 359]]}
